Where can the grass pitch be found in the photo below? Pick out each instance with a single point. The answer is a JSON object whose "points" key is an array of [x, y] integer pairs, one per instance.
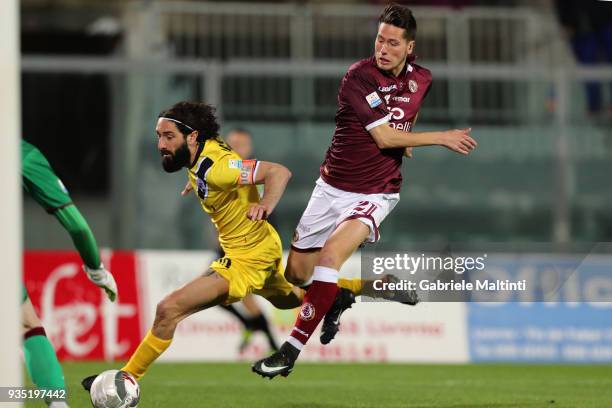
{"points": [[361, 385]]}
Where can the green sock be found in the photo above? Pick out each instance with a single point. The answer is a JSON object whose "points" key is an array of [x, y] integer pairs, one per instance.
{"points": [[41, 361]]}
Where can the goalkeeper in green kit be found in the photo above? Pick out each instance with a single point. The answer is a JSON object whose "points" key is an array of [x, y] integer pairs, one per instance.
{"points": [[46, 188]]}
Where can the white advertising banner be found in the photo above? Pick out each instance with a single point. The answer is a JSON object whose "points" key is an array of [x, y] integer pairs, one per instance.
{"points": [[370, 332]]}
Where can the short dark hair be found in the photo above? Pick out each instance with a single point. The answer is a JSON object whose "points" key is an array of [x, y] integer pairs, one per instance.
{"points": [[400, 16], [195, 115]]}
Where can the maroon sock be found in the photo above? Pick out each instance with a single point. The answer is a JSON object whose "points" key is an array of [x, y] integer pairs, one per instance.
{"points": [[317, 302]]}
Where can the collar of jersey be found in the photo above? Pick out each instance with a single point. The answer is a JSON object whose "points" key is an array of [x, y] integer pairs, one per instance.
{"points": [[198, 153]]}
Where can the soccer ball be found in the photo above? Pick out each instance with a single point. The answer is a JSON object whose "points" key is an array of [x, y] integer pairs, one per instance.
{"points": [[114, 389]]}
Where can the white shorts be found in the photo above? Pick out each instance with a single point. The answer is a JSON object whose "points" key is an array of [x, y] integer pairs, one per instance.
{"points": [[328, 207]]}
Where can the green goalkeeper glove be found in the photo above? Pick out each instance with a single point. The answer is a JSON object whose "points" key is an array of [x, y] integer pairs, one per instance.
{"points": [[103, 279]]}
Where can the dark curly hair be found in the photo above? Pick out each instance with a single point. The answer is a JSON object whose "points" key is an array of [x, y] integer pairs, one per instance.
{"points": [[400, 16], [197, 115]]}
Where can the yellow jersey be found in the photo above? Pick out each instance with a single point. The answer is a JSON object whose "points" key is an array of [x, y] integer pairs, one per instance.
{"points": [[224, 184]]}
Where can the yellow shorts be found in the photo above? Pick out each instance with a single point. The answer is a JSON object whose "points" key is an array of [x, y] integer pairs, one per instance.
{"points": [[258, 270]]}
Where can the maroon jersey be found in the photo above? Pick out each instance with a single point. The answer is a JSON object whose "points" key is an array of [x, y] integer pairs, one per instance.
{"points": [[369, 97]]}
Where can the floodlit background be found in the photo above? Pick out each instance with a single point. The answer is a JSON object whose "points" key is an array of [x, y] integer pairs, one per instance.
{"points": [[527, 76], [532, 78]]}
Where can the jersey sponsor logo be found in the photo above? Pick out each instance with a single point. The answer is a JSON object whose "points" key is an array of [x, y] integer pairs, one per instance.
{"points": [[387, 88], [307, 312], [405, 126], [235, 164], [387, 97], [373, 100], [398, 113], [400, 99], [413, 86]]}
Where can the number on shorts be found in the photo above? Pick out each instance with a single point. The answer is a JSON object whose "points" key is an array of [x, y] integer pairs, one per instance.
{"points": [[364, 208]]}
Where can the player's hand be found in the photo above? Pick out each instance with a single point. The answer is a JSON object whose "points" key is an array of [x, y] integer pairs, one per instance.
{"points": [[258, 212], [408, 152], [459, 140], [103, 279], [187, 189]]}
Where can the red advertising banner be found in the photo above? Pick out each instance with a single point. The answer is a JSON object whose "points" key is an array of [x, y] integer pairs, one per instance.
{"points": [[79, 319]]}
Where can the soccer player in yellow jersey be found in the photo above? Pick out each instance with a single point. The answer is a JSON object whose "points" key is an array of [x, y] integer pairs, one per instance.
{"points": [[225, 185]]}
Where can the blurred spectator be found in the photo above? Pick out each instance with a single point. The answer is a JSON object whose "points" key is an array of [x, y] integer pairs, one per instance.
{"points": [[240, 140], [588, 25]]}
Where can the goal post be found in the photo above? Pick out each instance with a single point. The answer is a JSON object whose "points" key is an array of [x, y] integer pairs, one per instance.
{"points": [[10, 207]]}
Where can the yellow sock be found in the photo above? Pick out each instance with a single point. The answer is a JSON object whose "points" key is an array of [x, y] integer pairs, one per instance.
{"points": [[147, 352], [354, 285]]}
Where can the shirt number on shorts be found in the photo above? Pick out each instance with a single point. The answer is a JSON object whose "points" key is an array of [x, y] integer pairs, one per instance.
{"points": [[364, 208]]}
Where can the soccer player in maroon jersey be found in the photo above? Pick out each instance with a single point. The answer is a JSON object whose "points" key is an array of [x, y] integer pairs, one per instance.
{"points": [[378, 103]]}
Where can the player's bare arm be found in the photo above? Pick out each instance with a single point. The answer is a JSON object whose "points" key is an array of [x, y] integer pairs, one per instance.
{"points": [[274, 177], [457, 140], [408, 150]]}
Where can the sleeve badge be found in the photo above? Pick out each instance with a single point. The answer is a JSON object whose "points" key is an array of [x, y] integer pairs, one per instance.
{"points": [[373, 99]]}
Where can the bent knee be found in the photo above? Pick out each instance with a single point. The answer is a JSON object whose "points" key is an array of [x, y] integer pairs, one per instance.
{"points": [[297, 275], [167, 310], [294, 278], [300, 266]]}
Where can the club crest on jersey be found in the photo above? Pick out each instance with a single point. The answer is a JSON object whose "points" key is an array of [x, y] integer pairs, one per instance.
{"points": [[307, 312], [373, 100], [413, 86]]}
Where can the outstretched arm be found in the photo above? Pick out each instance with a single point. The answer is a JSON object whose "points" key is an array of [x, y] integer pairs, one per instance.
{"points": [[457, 140]]}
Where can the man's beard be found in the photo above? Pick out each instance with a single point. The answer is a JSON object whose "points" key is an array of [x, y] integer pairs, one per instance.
{"points": [[177, 160]]}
